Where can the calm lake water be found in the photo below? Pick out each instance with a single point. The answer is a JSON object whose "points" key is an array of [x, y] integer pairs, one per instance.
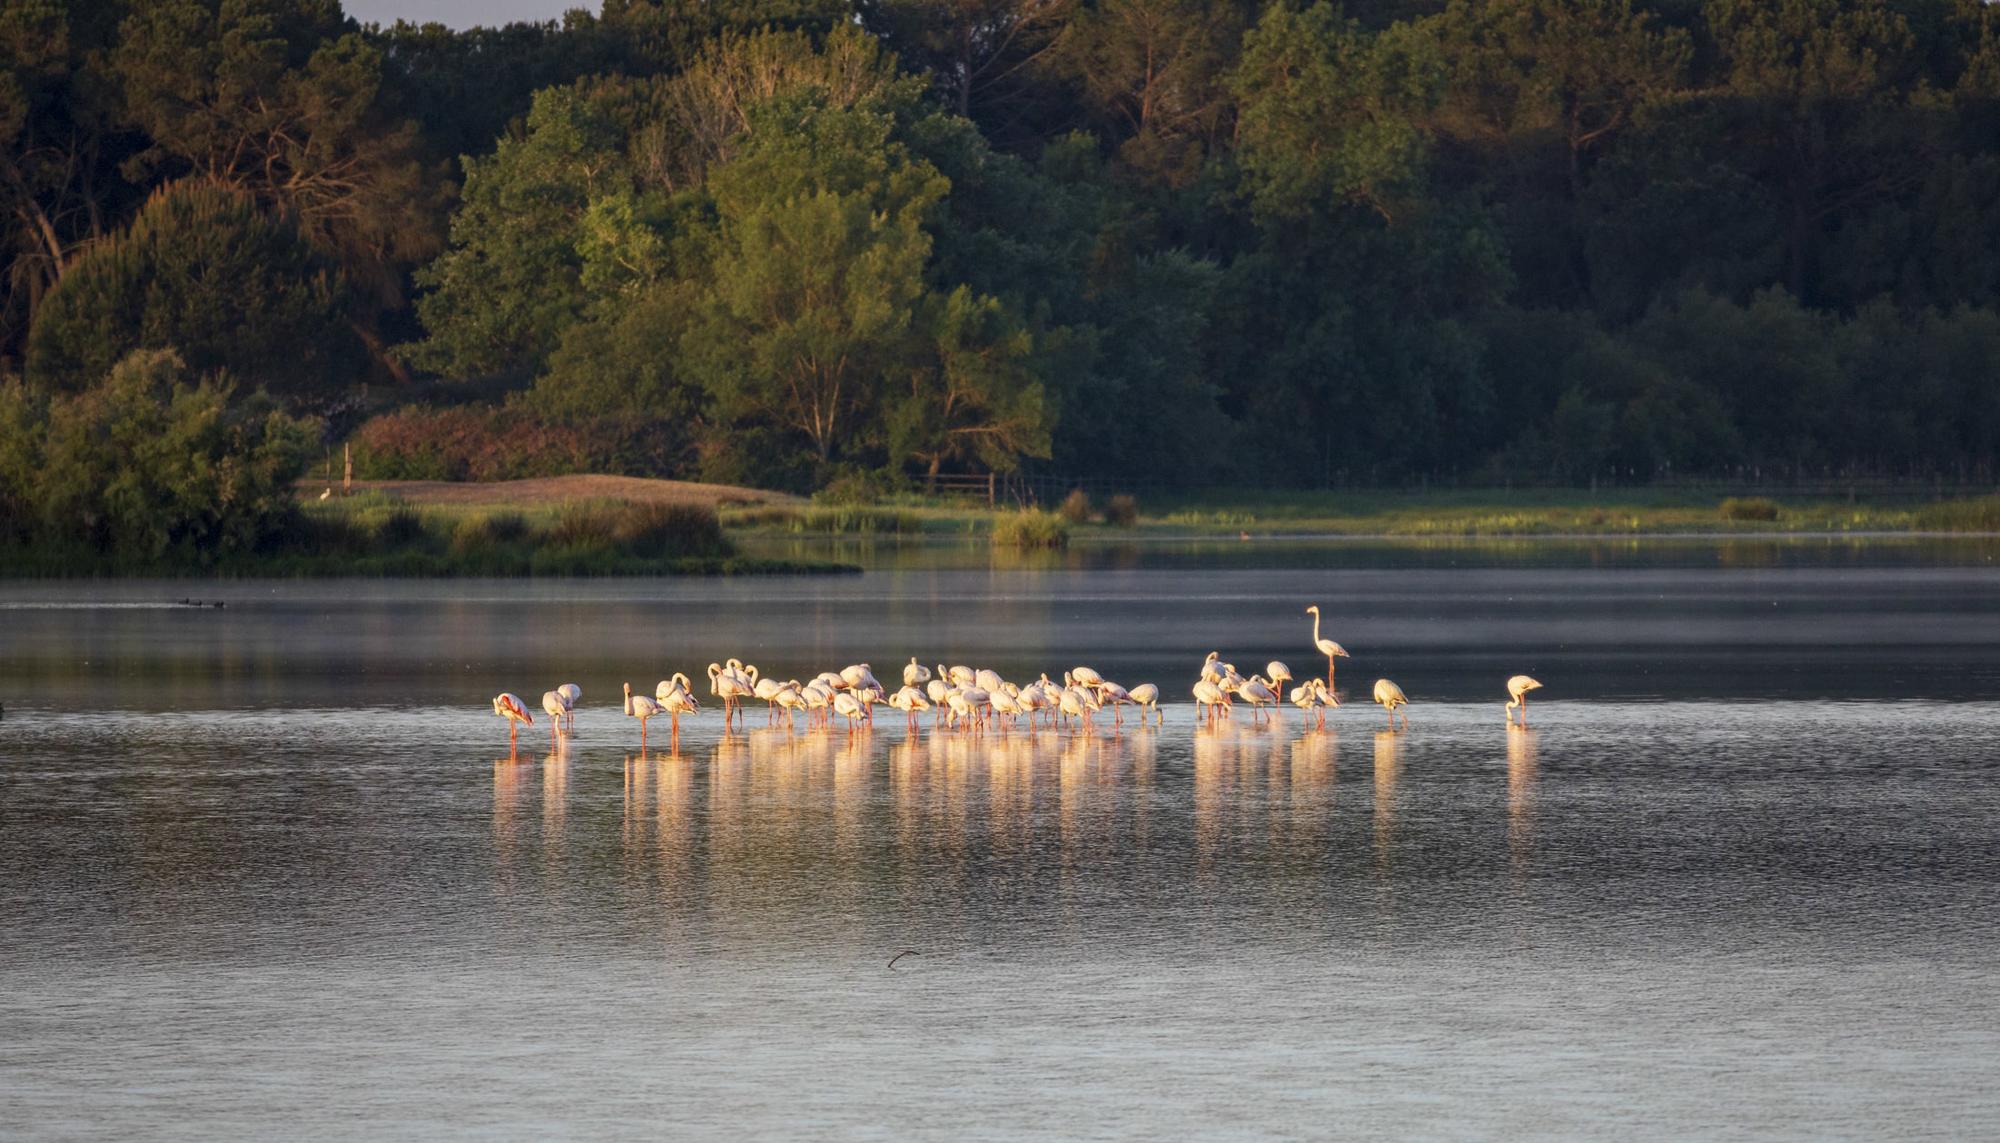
{"points": [[271, 870]]}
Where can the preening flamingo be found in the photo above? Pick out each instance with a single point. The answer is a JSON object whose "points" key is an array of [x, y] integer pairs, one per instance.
{"points": [[508, 706], [679, 700], [1517, 695], [1209, 697], [915, 674], [1391, 696], [910, 700], [1258, 694], [1327, 647], [1277, 674]]}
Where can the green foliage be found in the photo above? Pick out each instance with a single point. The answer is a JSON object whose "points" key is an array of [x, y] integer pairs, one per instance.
{"points": [[1030, 528], [151, 463], [469, 442], [1748, 508], [203, 271]]}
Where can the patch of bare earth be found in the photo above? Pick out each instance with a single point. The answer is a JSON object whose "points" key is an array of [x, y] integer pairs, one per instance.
{"points": [[545, 491]]}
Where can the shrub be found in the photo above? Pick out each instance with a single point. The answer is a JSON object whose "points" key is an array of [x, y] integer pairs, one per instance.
{"points": [[400, 528], [1122, 511], [659, 531], [1968, 514], [1749, 508], [1076, 507], [148, 463], [1031, 528], [472, 442]]}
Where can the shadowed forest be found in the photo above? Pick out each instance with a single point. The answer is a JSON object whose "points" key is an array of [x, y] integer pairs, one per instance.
{"points": [[800, 243]]}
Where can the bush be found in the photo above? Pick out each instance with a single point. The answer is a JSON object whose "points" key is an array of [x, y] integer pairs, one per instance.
{"points": [[1749, 508], [471, 442], [1076, 507], [150, 463], [1122, 511], [1031, 528], [400, 528], [659, 531]]}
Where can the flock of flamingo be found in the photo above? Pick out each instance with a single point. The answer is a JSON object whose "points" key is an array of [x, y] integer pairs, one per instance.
{"points": [[967, 699]]}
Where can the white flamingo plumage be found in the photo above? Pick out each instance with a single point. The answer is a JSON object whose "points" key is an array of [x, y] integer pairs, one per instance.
{"points": [[1391, 697], [556, 705], [573, 695], [641, 708], [915, 674], [1517, 695], [1327, 647], [510, 707], [1147, 697], [1211, 699], [910, 700], [1277, 674]]}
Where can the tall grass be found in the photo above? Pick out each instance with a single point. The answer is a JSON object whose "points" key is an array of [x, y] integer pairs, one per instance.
{"points": [[1971, 514], [829, 520], [1748, 508], [1031, 528]]}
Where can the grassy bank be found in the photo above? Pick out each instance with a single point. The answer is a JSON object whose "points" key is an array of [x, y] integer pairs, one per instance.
{"points": [[374, 534], [1457, 513]]}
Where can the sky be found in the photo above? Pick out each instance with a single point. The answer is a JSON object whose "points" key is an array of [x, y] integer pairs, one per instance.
{"points": [[460, 13]]}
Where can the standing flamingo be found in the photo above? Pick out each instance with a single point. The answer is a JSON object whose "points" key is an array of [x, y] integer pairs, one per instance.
{"points": [[910, 700], [679, 700], [1277, 674], [1517, 694], [1210, 698], [508, 706], [1147, 697], [572, 695], [641, 708], [557, 705], [1391, 696], [1327, 647], [915, 674]]}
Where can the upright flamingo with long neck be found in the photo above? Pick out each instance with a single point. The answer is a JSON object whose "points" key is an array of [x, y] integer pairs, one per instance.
{"points": [[641, 708], [1327, 647]]}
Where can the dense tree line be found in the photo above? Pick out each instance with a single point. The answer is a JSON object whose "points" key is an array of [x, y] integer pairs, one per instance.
{"points": [[792, 241]]}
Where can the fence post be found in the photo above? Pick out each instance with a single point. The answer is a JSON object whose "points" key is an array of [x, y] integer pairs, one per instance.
{"points": [[990, 478]]}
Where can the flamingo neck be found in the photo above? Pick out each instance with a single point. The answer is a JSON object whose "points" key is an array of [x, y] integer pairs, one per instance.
{"points": [[628, 698]]}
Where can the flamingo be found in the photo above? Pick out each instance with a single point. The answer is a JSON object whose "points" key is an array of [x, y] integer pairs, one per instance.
{"points": [[1004, 704], [962, 710], [1258, 694], [1277, 674], [1391, 696], [1085, 677], [1210, 698], [1210, 669], [1071, 703], [791, 698], [679, 700], [988, 681], [1314, 695], [858, 676], [1116, 696], [848, 707], [910, 700], [1147, 697], [1517, 694], [767, 689], [573, 695], [508, 706], [557, 705], [728, 686], [641, 708], [915, 674], [1327, 647]]}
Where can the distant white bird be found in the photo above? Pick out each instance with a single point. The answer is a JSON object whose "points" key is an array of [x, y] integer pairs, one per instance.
{"points": [[509, 707], [1258, 694], [848, 707], [1210, 698], [1277, 674], [327, 493], [574, 695], [1391, 696], [1517, 694], [1327, 647], [641, 708], [915, 675], [910, 700], [557, 706], [677, 701], [1147, 696]]}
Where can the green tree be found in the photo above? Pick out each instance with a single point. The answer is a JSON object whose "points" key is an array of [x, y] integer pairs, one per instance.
{"points": [[153, 463], [818, 277], [204, 271]]}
